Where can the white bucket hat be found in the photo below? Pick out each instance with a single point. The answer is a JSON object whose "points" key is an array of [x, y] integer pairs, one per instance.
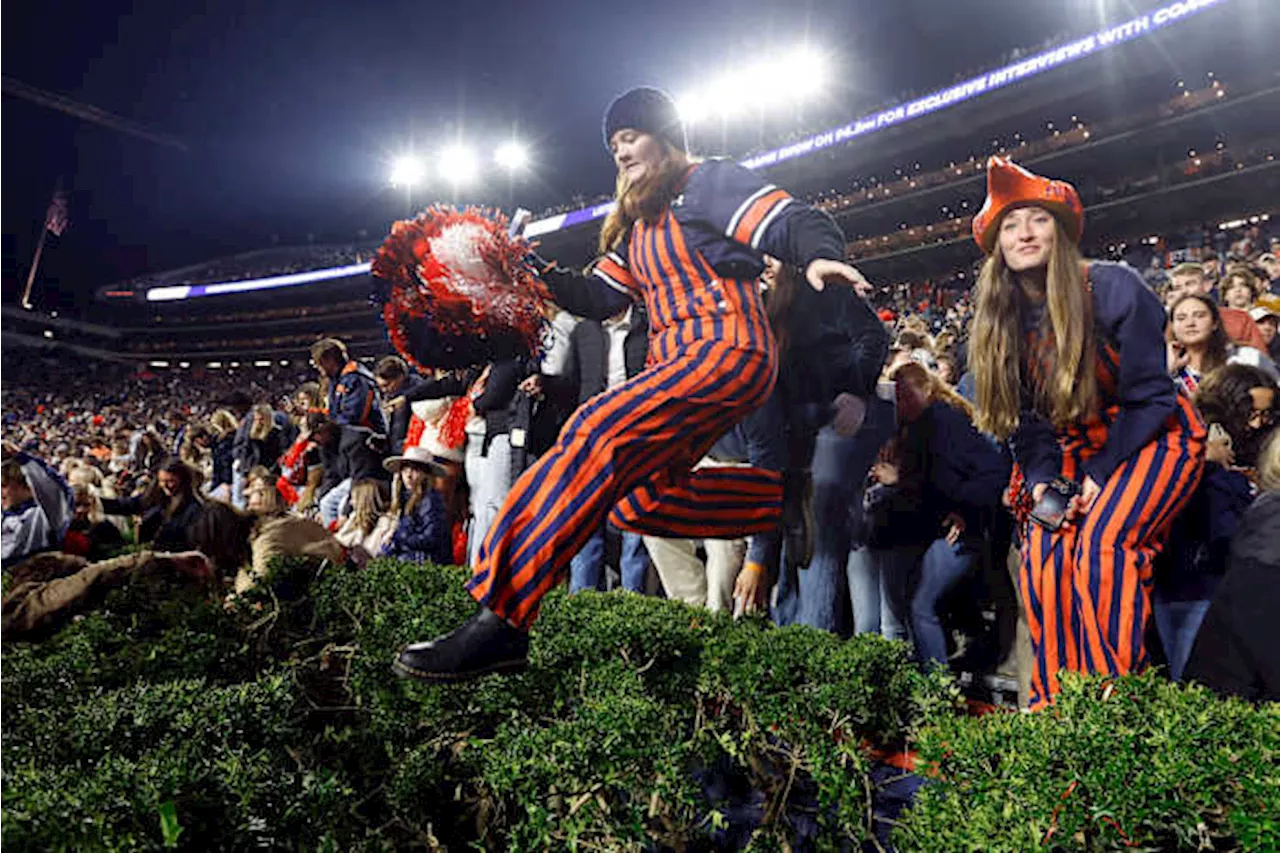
{"points": [[417, 456]]}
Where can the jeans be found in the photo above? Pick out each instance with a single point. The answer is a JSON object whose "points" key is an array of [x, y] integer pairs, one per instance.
{"points": [[760, 441], [1177, 623], [943, 565], [334, 502], [878, 580], [586, 569], [816, 596], [489, 478], [239, 481]]}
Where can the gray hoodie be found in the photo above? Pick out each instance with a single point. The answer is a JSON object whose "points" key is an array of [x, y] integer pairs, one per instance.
{"points": [[41, 523]]}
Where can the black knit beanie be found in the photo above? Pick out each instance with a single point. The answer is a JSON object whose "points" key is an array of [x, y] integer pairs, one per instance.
{"points": [[649, 110]]}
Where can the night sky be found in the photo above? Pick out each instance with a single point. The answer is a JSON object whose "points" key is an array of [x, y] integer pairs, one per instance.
{"points": [[292, 110]]}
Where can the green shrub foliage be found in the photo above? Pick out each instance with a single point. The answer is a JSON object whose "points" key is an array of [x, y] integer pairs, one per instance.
{"points": [[1135, 764], [163, 720]]}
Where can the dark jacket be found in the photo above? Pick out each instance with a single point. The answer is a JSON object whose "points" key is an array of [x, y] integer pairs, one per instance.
{"points": [[163, 534], [1200, 539], [93, 541], [945, 466], [423, 535], [586, 371], [353, 398], [398, 424], [354, 455], [836, 345], [1237, 651], [264, 451], [223, 452]]}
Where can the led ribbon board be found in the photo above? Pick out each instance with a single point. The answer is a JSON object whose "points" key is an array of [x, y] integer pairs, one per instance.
{"points": [[1139, 27]]}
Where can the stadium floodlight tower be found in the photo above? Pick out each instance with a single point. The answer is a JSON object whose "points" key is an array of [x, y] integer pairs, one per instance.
{"points": [[513, 156], [459, 166], [407, 172]]}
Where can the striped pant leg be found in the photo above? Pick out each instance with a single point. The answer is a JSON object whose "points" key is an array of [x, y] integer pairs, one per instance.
{"points": [[662, 420], [1045, 586], [1118, 543], [726, 502]]}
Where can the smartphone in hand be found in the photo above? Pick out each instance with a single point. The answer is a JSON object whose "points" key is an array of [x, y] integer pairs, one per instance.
{"points": [[1050, 512]]}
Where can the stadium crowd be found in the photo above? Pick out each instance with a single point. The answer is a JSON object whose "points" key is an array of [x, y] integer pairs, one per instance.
{"points": [[344, 462]]}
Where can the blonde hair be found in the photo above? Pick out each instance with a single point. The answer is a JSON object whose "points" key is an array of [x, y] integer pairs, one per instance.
{"points": [[96, 513], [260, 429], [1061, 376], [368, 503], [1269, 463], [223, 423], [260, 478], [645, 199]]}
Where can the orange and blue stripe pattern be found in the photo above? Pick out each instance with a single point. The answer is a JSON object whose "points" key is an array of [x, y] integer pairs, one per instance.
{"points": [[627, 455], [1086, 589]]}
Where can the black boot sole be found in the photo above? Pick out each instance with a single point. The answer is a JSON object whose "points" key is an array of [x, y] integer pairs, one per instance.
{"points": [[507, 667]]}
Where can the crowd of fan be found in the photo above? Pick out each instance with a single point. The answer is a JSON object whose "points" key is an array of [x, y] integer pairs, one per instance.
{"points": [[347, 463]]}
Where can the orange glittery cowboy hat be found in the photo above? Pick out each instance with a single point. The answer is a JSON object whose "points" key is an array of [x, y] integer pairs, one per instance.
{"points": [[1009, 186]]}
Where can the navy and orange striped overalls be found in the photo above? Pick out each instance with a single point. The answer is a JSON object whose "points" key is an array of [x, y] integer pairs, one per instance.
{"points": [[627, 455], [1086, 589]]}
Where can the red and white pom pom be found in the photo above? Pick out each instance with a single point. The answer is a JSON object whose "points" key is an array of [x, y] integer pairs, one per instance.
{"points": [[458, 288]]}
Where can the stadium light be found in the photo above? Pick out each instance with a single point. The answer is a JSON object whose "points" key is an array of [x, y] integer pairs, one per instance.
{"points": [[458, 164], [808, 71], [407, 171], [692, 109], [803, 73], [512, 156]]}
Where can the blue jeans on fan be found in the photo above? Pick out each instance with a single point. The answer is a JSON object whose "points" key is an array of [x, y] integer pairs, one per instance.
{"points": [[586, 569], [816, 596], [878, 579], [941, 568], [873, 609], [1177, 623], [239, 484], [334, 503]]}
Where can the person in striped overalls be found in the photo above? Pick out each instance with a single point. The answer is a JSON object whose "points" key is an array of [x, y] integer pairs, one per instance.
{"points": [[1069, 366], [688, 238]]}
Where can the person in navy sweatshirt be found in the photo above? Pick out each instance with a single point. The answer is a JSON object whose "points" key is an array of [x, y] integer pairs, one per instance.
{"points": [[948, 480], [1238, 403], [1068, 361]]}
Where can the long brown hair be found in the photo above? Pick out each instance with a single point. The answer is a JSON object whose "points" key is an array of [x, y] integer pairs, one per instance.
{"points": [[646, 198], [1063, 384], [405, 500], [782, 296]]}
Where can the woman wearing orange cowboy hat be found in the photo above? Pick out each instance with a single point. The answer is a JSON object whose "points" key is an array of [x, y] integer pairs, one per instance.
{"points": [[1070, 369]]}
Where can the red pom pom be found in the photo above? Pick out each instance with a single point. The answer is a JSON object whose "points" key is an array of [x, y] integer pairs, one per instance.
{"points": [[459, 290]]}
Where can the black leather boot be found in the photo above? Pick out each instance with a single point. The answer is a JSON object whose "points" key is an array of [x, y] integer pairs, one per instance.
{"points": [[484, 644]]}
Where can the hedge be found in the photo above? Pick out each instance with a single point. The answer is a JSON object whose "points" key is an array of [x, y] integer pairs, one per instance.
{"points": [[165, 721]]}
